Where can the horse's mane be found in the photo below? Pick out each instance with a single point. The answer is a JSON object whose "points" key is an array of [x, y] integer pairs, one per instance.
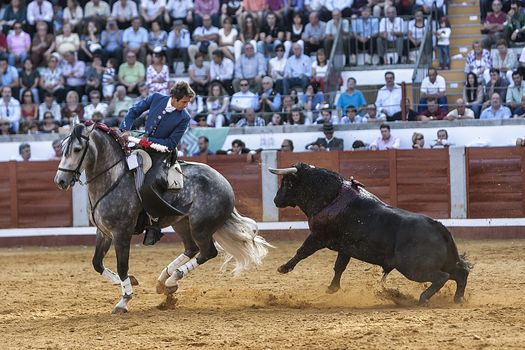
{"points": [[79, 128]]}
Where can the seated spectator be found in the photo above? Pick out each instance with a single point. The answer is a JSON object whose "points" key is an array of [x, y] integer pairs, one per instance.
{"points": [[157, 38], [67, 41], [206, 39], [297, 70], [217, 106], [8, 74], [243, 99], [356, 9], [433, 86], [221, 70], [206, 8], [332, 26], [286, 146], [249, 34], [386, 140], [143, 94], [232, 9], [311, 99], [493, 25], [325, 116], [350, 117], [28, 107], [120, 101], [131, 73], [520, 142], [5, 126], [519, 112], [58, 14], [238, 148], [135, 39], [294, 33], [74, 72], [495, 85], [73, 14], [157, 74], [276, 67], [416, 31], [409, 115], [418, 140], [196, 107], [39, 10], [271, 35], [250, 66], [432, 112], [391, 33], [51, 79], [97, 10], [109, 78], [200, 121], [388, 99], [14, 12], [505, 60], [95, 106], [328, 142], [426, 7], [288, 105], [18, 45], [43, 45], [319, 69], [514, 28], [111, 41], [478, 60], [49, 105], [461, 111], [276, 120], [178, 44], [72, 108], [24, 153], [516, 91], [94, 74], [124, 11], [151, 11], [371, 115], [351, 97], [179, 10], [29, 79], [314, 34], [90, 44], [48, 125], [297, 117], [199, 75], [10, 108], [250, 119], [227, 36], [204, 143], [269, 99], [442, 140], [496, 110], [365, 32], [473, 94]]}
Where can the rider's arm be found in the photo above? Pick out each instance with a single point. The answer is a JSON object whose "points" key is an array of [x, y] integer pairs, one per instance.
{"points": [[173, 140], [135, 112]]}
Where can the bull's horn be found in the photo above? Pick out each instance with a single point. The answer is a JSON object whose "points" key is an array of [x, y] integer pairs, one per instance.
{"points": [[283, 171]]}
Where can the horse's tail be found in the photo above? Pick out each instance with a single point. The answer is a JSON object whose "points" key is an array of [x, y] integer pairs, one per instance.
{"points": [[239, 239]]}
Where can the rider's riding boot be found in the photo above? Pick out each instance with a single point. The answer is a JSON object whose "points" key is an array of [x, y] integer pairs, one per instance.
{"points": [[152, 235]]}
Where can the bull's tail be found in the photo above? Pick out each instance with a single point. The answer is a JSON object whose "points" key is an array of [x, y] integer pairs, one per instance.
{"points": [[239, 238], [463, 263]]}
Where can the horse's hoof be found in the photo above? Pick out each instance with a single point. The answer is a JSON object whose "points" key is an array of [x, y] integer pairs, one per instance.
{"points": [[119, 310], [160, 287], [331, 289], [171, 290], [284, 269], [134, 281]]}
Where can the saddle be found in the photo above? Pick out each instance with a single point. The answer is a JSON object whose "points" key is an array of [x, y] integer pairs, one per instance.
{"points": [[154, 194]]}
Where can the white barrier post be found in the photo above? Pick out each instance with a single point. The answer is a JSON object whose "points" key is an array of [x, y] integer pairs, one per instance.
{"points": [[270, 185], [458, 183]]}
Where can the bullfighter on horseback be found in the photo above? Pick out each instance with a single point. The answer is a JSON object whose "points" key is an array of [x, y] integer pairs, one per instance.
{"points": [[166, 123]]}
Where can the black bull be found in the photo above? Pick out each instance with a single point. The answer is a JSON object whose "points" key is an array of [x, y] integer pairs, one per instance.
{"points": [[346, 218]]}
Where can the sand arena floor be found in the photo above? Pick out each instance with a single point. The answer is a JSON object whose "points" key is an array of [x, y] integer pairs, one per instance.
{"points": [[51, 298]]}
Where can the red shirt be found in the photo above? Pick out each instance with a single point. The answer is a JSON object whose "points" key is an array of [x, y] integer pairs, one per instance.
{"points": [[439, 114], [493, 19]]}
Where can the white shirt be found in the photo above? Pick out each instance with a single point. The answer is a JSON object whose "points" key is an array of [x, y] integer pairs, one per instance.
{"points": [[90, 109], [10, 110], [338, 4], [438, 86], [181, 41], [315, 5], [224, 71], [390, 101], [127, 12], [444, 36], [151, 7], [277, 66], [389, 27], [169, 107], [244, 100], [179, 8], [35, 13]]}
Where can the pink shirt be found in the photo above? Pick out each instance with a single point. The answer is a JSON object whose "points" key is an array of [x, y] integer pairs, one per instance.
{"points": [[206, 7], [18, 44]]}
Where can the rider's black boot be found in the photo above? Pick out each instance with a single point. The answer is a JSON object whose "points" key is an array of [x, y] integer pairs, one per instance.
{"points": [[152, 235]]}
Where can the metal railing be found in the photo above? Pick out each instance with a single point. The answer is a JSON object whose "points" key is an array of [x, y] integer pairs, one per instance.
{"points": [[335, 65]]}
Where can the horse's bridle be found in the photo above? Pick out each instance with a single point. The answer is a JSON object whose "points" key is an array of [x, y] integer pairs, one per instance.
{"points": [[76, 172]]}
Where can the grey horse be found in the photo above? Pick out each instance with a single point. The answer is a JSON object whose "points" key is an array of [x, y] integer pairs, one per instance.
{"points": [[115, 207]]}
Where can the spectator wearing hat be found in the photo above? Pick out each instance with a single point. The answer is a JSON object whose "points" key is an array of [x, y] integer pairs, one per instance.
{"points": [[250, 66], [386, 140], [177, 46], [157, 74], [328, 142]]}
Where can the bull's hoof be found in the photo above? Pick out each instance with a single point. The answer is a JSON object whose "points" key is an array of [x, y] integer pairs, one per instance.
{"points": [[119, 310], [422, 302], [284, 269], [332, 289], [459, 300], [134, 281]]}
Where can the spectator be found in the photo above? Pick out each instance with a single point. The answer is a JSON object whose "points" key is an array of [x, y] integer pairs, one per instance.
{"points": [[288, 105], [416, 31], [388, 99], [319, 69], [217, 106], [350, 117], [196, 107], [199, 75], [10, 108], [297, 117], [254, 8], [178, 44], [313, 5], [433, 86], [250, 66], [157, 38], [359, 145], [519, 112], [271, 35], [442, 140], [179, 10], [120, 101], [311, 99], [410, 114], [95, 106], [372, 117], [48, 126], [505, 60], [514, 29], [269, 99], [124, 11], [520, 142], [432, 112], [8, 74], [204, 144], [5, 126], [314, 34], [28, 107], [493, 25], [57, 149], [379, 6], [495, 85], [24, 152], [232, 9], [386, 140], [478, 61], [49, 105], [143, 94], [39, 10], [221, 70], [332, 27], [18, 45], [52, 80], [67, 41], [90, 44], [109, 78], [496, 109], [131, 73], [157, 74], [295, 33], [152, 11], [29, 79], [516, 91], [111, 41], [328, 142], [390, 32], [277, 119], [426, 6], [418, 140], [276, 67], [94, 73], [286, 146], [58, 15], [73, 14], [238, 148], [227, 37], [250, 119], [297, 70], [97, 10], [43, 45], [351, 96], [473, 94], [134, 39], [325, 116], [248, 35], [276, 6], [14, 12], [203, 8], [443, 43], [461, 111], [72, 108], [74, 72], [205, 37], [365, 32], [243, 99]]}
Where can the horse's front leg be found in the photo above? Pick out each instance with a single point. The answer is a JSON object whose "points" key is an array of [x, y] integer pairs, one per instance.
{"points": [[122, 245], [101, 249]]}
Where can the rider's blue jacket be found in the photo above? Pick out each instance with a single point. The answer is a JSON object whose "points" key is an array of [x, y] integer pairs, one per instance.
{"points": [[162, 126]]}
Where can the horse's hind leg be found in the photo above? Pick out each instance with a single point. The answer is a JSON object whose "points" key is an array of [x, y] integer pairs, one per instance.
{"points": [[101, 249]]}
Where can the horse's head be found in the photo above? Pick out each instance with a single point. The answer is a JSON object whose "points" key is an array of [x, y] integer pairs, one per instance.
{"points": [[73, 161]]}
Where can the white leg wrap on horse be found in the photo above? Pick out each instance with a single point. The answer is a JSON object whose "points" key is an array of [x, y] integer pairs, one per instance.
{"points": [[127, 289], [187, 267], [181, 260], [111, 276]]}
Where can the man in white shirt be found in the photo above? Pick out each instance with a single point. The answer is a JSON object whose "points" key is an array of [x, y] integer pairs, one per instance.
{"points": [[151, 10], [276, 67], [331, 30], [221, 70], [95, 105], [39, 10], [391, 32], [389, 96], [10, 108], [179, 9], [242, 100], [461, 111], [49, 105], [433, 86], [386, 140], [97, 9], [206, 38], [124, 11], [178, 42]]}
